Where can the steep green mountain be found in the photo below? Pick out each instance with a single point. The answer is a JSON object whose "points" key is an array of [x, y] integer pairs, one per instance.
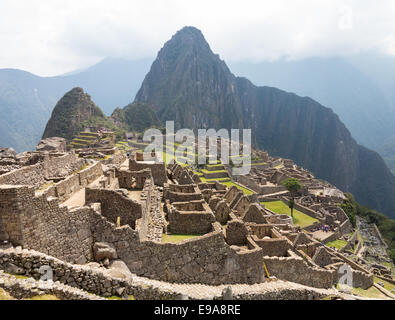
{"points": [[71, 113], [359, 88], [191, 85], [26, 100], [135, 117], [334, 82], [387, 150]]}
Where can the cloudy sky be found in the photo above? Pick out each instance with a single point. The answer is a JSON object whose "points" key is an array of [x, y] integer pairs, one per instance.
{"points": [[50, 37]]}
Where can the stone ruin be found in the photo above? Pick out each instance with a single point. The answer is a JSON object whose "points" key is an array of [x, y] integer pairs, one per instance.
{"points": [[112, 217]]}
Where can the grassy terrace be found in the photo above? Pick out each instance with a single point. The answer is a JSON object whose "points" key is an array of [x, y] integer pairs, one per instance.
{"points": [[338, 244], [279, 207], [218, 165], [215, 171], [230, 184], [372, 292], [215, 179], [387, 285], [175, 238]]}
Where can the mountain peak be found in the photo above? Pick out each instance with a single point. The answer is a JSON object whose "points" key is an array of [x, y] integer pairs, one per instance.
{"points": [[70, 113], [189, 32], [188, 40]]}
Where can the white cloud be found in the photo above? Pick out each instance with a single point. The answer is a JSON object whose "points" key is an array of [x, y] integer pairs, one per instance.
{"points": [[49, 37]]}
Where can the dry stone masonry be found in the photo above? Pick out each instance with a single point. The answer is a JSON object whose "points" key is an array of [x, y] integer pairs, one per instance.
{"points": [[108, 227]]}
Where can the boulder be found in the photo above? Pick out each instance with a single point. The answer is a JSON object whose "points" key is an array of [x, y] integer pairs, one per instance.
{"points": [[7, 153], [54, 144], [119, 269], [103, 250]]}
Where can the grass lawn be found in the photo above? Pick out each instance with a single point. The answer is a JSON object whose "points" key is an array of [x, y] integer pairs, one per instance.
{"points": [[338, 244], [175, 238], [387, 285], [279, 207]]}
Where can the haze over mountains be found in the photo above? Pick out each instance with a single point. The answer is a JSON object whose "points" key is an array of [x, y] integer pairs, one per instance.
{"points": [[359, 88], [188, 83], [26, 100]]}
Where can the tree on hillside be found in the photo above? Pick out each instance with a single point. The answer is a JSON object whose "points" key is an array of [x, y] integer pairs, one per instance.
{"points": [[293, 186]]}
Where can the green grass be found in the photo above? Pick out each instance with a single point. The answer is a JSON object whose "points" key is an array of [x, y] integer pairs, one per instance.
{"points": [[230, 184], [372, 292], [175, 238], [387, 285], [338, 244], [80, 140], [17, 276], [279, 207], [216, 171], [388, 265]]}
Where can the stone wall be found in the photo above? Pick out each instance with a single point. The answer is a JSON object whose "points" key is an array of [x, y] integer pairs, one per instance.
{"points": [[345, 227], [273, 247], [133, 179], [351, 242], [206, 259], [182, 193], [259, 189], [29, 288], [82, 277], [95, 281], [158, 170], [66, 188], [114, 205], [39, 223], [90, 174], [148, 205], [117, 159], [30, 175], [36, 175], [194, 217], [293, 268], [303, 209]]}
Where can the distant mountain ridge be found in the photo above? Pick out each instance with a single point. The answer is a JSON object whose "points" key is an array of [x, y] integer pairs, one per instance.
{"points": [[359, 88], [27, 100], [191, 85]]}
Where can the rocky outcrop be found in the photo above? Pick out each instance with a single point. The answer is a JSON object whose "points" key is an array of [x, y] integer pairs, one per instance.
{"points": [[53, 144]]}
